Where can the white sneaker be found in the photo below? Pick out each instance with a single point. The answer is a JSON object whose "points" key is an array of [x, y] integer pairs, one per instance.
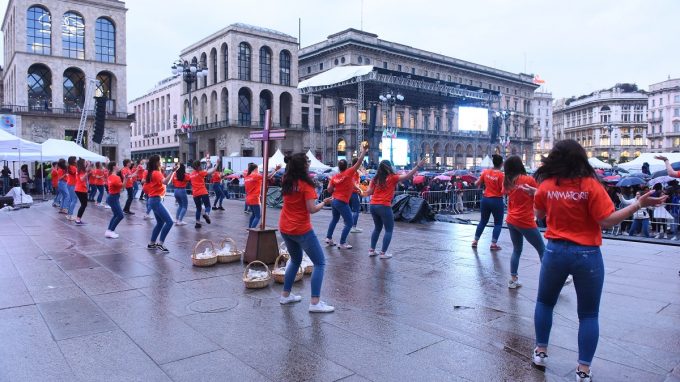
{"points": [[290, 299], [372, 252], [181, 222], [582, 376], [329, 242], [321, 307], [538, 358], [147, 216], [107, 206], [111, 234], [356, 230], [569, 280], [512, 284], [384, 255], [661, 235], [676, 238]]}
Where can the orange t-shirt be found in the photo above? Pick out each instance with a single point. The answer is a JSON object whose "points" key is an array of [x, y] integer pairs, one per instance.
{"points": [[295, 219], [216, 177], [253, 185], [573, 209], [61, 175], [145, 186], [520, 204], [357, 181], [115, 184], [180, 183], [140, 172], [81, 185], [125, 172], [492, 179], [384, 194], [344, 185], [198, 183], [71, 178], [55, 177], [155, 187]]}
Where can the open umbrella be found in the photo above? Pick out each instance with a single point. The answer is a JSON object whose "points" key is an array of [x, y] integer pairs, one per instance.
{"points": [[611, 178], [418, 179], [468, 178], [445, 178], [641, 175], [457, 173], [675, 166], [630, 181], [662, 180], [227, 171]]}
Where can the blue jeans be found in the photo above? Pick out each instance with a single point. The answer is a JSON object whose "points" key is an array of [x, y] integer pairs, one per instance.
{"points": [[135, 188], [517, 235], [491, 206], [72, 199], [355, 205], [114, 202], [100, 189], [91, 192], [340, 208], [218, 189], [183, 201], [254, 216], [310, 245], [382, 216], [562, 258], [202, 200], [62, 194], [639, 224], [163, 219]]}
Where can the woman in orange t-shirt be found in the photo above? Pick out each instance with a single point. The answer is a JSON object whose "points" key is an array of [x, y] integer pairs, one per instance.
{"points": [[492, 202], [71, 175], [253, 187], [218, 188], [83, 173], [179, 181], [382, 188], [154, 187], [576, 207], [299, 201], [521, 220], [115, 184], [200, 192], [341, 187]]}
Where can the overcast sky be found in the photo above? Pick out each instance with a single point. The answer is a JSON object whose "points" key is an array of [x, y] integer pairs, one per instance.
{"points": [[576, 46]]}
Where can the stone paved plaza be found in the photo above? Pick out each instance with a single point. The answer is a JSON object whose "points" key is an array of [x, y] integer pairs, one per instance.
{"points": [[75, 306]]}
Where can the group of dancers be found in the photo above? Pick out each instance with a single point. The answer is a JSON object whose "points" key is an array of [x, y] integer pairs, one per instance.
{"points": [[564, 191]]}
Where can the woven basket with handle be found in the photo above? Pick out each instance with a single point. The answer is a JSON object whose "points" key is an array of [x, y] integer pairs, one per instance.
{"points": [[256, 283], [234, 255], [199, 248], [279, 274]]}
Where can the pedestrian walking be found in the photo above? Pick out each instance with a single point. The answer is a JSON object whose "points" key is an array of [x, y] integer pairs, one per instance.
{"points": [[576, 207], [299, 202], [492, 202], [381, 189]]}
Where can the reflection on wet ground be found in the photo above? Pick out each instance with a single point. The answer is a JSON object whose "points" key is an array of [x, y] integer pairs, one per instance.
{"points": [[77, 306]]}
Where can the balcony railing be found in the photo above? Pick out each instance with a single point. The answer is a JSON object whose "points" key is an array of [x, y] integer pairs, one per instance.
{"points": [[19, 109], [655, 120], [242, 124]]}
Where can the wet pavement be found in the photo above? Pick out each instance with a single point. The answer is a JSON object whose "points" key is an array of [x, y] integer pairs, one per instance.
{"points": [[77, 306]]}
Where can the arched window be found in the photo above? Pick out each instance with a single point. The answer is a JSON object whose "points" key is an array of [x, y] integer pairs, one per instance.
{"points": [[73, 35], [74, 86], [285, 109], [605, 114], [204, 64], [38, 30], [284, 64], [225, 62], [265, 65], [105, 40], [265, 103], [244, 61], [224, 104], [244, 107], [213, 65], [39, 83], [105, 85]]}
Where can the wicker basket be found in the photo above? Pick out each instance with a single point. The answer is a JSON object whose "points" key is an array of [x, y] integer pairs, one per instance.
{"points": [[309, 268], [256, 284], [283, 250], [279, 274], [234, 255], [203, 262]]}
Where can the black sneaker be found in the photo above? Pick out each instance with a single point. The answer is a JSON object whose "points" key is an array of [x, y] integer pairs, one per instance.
{"points": [[198, 225], [152, 246], [221, 208], [161, 248], [207, 218], [129, 212]]}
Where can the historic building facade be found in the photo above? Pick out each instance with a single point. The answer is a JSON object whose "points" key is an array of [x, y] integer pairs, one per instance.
{"points": [[157, 118], [610, 124], [250, 70], [664, 116], [544, 134], [52, 49], [432, 130]]}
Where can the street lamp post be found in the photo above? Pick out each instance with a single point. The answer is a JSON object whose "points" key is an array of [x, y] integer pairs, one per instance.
{"points": [[610, 129], [388, 100], [505, 115], [190, 73]]}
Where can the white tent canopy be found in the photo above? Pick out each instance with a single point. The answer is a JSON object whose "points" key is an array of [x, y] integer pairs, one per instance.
{"points": [[54, 149], [486, 162], [275, 159], [596, 163], [315, 164], [336, 75], [13, 148], [654, 164]]}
